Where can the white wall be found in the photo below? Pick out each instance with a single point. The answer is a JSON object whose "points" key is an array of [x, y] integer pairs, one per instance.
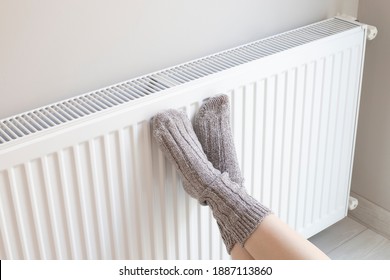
{"points": [[371, 177], [54, 49]]}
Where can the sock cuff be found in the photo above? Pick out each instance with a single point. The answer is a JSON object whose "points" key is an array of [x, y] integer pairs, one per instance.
{"points": [[228, 240], [249, 222], [234, 209]]}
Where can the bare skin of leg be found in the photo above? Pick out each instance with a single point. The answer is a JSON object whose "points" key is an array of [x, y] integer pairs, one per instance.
{"points": [[240, 253], [275, 240]]}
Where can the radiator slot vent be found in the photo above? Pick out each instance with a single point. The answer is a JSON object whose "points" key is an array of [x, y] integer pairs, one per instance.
{"points": [[56, 114]]}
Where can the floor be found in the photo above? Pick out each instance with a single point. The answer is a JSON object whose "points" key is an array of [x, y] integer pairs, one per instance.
{"points": [[350, 240]]}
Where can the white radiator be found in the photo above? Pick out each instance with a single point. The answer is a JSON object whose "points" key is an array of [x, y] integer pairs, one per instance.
{"points": [[83, 179]]}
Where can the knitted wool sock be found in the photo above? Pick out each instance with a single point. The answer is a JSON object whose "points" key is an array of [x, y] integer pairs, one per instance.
{"points": [[212, 126], [236, 212]]}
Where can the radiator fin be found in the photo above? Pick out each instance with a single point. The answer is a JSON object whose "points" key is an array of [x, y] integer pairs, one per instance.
{"points": [[112, 96]]}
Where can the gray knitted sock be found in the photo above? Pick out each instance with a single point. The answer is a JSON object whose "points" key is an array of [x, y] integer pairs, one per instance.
{"points": [[236, 212], [212, 126]]}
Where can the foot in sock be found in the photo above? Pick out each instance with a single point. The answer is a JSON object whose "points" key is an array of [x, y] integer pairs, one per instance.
{"points": [[236, 212], [212, 126], [176, 138]]}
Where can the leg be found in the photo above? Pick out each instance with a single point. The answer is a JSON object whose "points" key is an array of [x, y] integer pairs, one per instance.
{"points": [[212, 126], [273, 239], [240, 253], [237, 213], [213, 129], [245, 220]]}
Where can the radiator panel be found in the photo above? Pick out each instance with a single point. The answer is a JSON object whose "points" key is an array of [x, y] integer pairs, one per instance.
{"points": [[98, 187]]}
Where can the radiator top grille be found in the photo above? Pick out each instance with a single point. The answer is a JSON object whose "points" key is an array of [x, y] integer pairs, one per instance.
{"points": [[65, 111]]}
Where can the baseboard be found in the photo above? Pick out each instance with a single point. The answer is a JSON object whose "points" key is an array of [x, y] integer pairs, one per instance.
{"points": [[371, 215]]}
